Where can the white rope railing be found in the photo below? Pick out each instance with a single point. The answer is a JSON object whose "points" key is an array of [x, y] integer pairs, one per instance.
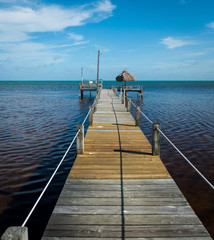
{"points": [[86, 116], [140, 111], [52, 176], [54, 173], [204, 178]]}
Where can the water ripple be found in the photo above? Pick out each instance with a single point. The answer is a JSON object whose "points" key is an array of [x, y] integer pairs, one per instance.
{"points": [[38, 122]]}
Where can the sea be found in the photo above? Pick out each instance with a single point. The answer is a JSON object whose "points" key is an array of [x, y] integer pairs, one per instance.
{"points": [[38, 121]]}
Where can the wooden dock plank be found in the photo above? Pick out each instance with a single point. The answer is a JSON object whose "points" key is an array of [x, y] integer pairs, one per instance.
{"points": [[98, 231], [118, 190]]}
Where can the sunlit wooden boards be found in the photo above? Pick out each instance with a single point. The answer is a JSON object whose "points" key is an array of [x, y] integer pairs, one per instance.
{"points": [[118, 190], [112, 153]]}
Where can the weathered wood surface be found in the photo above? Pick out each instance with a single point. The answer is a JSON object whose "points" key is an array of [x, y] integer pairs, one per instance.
{"points": [[118, 190]]}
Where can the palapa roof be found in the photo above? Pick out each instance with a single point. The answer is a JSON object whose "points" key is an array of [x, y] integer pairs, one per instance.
{"points": [[125, 76]]}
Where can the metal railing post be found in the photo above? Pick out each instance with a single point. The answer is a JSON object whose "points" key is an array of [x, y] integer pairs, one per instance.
{"points": [[20, 233], [91, 115], [156, 140], [80, 139], [137, 121]]}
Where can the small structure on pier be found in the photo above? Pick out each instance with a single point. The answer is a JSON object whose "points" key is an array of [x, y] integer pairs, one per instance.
{"points": [[89, 85], [125, 76]]}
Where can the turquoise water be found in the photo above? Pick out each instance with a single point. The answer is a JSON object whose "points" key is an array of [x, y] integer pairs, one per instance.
{"points": [[38, 121]]}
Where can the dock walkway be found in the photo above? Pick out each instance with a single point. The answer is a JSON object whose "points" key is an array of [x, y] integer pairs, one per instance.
{"points": [[118, 190]]}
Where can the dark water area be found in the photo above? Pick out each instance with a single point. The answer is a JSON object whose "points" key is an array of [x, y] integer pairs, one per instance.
{"points": [[38, 121]]}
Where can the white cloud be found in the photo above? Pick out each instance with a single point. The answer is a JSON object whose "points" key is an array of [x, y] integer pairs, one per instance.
{"points": [[75, 37], [23, 21], [210, 25], [196, 54], [172, 43]]}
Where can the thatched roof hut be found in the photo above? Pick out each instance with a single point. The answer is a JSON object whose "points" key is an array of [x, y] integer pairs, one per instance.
{"points": [[125, 76]]}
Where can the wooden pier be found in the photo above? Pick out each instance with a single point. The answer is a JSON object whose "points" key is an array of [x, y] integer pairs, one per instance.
{"points": [[117, 189], [89, 85]]}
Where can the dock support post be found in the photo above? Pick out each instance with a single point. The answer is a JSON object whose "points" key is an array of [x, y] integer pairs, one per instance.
{"points": [[91, 109], [141, 95], [128, 105], [156, 140], [80, 93], [126, 99], [11, 233], [120, 94], [137, 121], [80, 139], [95, 105], [141, 92]]}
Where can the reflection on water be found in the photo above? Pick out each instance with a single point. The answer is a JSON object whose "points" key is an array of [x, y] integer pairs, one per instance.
{"points": [[38, 121]]}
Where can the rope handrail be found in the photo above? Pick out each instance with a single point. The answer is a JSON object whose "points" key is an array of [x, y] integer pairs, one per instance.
{"points": [[88, 113], [140, 111], [86, 116], [54, 173], [204, 178], [48, 183]]}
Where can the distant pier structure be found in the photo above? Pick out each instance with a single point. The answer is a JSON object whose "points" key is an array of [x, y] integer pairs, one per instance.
{"points": [[91, 84]]}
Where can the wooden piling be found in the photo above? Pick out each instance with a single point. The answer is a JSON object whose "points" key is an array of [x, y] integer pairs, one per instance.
{"points": [[80, 139], [91, 109], [13, 233], [137, 120], [128, 105], [80, 94], [95, 105], [126, 99], [156, 140]]}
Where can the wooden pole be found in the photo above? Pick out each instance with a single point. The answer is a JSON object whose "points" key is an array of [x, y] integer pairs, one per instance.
{"points": [[126, 99], [98, 69], [128, 105], [82, 74], [20, 233], [156, 140], [80, 139], [137, 121], [95, 105], [91, 115], [120, 94], [141, 92]]}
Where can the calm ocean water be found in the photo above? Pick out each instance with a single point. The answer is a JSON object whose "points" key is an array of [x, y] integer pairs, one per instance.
{"points": [[38, 121]]}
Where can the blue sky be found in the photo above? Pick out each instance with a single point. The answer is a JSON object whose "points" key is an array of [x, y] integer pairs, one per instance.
{"points": [[153, 39]]}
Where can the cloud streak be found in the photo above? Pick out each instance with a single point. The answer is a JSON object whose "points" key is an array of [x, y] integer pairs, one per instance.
{"points": [[172, 43], [210, 25], [23, 21], [23, 26]]}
